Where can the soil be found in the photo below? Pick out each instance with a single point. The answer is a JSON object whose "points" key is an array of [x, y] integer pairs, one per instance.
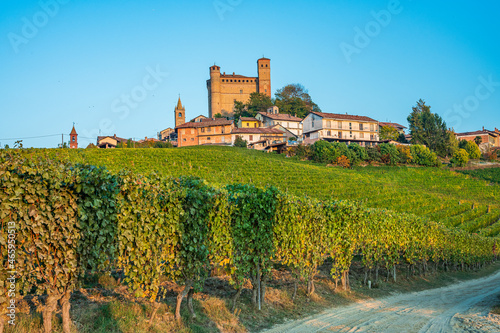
{"points": [[462, 307]]}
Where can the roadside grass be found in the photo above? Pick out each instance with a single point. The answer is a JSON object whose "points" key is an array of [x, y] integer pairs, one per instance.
{"points": [[113, 309]]}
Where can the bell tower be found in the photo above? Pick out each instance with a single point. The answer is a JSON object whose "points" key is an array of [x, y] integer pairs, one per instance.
{"points": [[73, 138], [264, 70], [179, 114]]}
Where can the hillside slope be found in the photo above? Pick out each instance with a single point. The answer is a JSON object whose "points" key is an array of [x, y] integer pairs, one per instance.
{"points": [[439, 194]]}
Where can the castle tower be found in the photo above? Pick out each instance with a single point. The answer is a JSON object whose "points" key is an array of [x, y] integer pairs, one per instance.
{"points": [[214, 90], [179, 114], [264, 70], [73, 138]]}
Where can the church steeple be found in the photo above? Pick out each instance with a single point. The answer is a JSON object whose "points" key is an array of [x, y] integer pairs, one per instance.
{"points": [[179, 113], [73, 138]]}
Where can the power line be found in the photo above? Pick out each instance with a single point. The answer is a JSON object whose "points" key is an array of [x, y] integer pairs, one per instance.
{"points": [[32, 137]]}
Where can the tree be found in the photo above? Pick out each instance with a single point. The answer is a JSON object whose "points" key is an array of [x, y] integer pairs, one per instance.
{"points": [[257, 103], [427, 128], [388, 133], [473, 150], [452, 144], [91, 146], [294, 99], [460, 158], [478, 140], [239, 142]]}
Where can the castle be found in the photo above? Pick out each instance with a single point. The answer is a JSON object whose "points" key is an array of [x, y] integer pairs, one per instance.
{"points": [[224, 90]]}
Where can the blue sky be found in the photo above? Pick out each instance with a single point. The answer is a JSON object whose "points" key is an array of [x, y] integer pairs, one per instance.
{"points": [[119, 66]]}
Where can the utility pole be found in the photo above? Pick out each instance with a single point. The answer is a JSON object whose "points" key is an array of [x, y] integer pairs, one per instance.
{"points": [[62, 140]]}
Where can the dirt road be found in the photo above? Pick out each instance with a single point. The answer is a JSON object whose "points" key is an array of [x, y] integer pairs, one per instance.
{"points": [[461, 307]]}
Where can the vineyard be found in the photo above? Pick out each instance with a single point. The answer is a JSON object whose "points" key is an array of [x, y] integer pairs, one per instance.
{"points": [[439, 195], [72, 219]]}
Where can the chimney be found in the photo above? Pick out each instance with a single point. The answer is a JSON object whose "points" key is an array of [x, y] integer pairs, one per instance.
{"points": [[114, 136], [483, 128], [233, 73]]}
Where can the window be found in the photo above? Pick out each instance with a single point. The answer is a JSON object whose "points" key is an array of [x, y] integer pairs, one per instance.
{"points": [[222, 80], [209, 129], [241, 91], [265, 90], [262, 65], [328, 124], [192, 139], [239, 80], [371, 127], [350, 126], [350, 133], [73, 139], [254, 125], [340, 135], [208, 138], [184, 139], [250, 138], [312, 123], [231, 80], [360, 127], [223, 139], [328, 133], [340, 124], [202, 130], [362, 135]]}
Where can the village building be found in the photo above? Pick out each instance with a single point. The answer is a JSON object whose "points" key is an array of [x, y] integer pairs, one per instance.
{"points": [[198, 119], [110, 141], [400, 128], [224, 89], [340, 128], [209, 131], [166, 134], [248, 122], [259, 134], [489, 139], [272, 117]]}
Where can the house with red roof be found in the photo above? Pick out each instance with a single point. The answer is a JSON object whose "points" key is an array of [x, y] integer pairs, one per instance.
{"points": [[340, 128], [253, 135], [273, 117], [208, 131], [490, 138]]}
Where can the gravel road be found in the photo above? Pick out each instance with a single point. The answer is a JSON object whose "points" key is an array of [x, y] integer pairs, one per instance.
{"points": [[463, 307]]}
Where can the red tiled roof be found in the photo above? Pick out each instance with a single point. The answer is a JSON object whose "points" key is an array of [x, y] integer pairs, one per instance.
{"points": [[118, 139], [73, 131], [248, 119], [256, 130], [477, 133], [395, 125], [343, 116], [280, 116], [207, 123]]}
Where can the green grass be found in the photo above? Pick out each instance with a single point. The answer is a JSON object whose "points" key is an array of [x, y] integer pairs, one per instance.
{"points": [[489, 174], [422, 191]]}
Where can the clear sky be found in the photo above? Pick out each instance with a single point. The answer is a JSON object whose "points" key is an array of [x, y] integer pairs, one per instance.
{"points": [[118, 66]]}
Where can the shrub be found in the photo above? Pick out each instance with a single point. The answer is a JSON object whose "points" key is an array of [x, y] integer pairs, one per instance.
{"points": [[460, 158], [358, 153], [422, 155], [239, 142], [373, 154], [390, 154], [404, 154], [300, 151], [343, 161], [473, 150]]}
